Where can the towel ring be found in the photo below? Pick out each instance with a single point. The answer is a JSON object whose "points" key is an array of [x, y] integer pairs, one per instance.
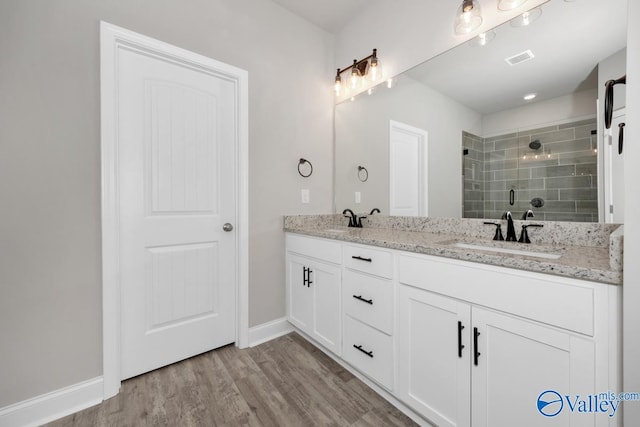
{"points": [[363, 173], [302, 162]]}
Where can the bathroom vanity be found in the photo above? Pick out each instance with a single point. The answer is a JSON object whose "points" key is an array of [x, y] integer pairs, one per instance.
{"points": [[462, 330]]}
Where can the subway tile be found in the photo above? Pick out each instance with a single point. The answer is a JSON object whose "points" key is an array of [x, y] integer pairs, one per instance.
{"points": [[560, 206], [584, 131], [506, 174], [586, 169], [587, 123], [554, 136], [568, 182], [580, 157], [496, 186], [545, 195], [583, 144], [505, 144], [532, 162], [579, 194], [574, 217], [553, 171], [535, 133], [526, 184], [500, 137], [501, 165], [584, 206]]}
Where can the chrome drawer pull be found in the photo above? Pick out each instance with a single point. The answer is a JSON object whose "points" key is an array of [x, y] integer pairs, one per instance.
{"points": [[368, 353], [361, 258], [359, 297]]}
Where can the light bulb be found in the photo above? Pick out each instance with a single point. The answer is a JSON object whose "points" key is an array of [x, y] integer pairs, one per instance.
{"points": [[468, 17], [355, 79], [375, 68], [338, 85]]}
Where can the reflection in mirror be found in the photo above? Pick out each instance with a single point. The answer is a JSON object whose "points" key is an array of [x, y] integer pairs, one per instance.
{"points": [[454, 136]]}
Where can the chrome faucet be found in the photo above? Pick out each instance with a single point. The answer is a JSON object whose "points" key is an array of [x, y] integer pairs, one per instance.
{"points": [[527, 214], [511, 231]]}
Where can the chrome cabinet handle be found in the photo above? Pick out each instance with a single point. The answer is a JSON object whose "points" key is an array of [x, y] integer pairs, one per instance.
{"points": [[227, 227]]}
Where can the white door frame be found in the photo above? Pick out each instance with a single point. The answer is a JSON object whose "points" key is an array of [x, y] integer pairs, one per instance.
{"points": [[112, 39]]}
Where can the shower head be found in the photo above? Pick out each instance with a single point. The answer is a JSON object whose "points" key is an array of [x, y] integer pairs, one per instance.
{"points": [[535, 145]]}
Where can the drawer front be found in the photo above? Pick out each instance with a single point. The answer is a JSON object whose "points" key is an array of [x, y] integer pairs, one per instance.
{"points": [[368, 260], [557, 301], [368, 350], [368, 299], [326, 250]]}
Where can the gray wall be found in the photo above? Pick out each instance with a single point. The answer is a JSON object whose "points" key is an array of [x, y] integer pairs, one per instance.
{"points": [[50, 248], [362, 138]]}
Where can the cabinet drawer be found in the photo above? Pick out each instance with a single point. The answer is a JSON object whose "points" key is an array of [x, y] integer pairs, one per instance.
{"points": [[368, 299], [368, 350], [325, 250], [368, 260]]}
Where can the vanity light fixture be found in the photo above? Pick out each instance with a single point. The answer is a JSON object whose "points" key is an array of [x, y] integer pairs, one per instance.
{"points": [[526, 18], [468, 17], [510, 4], [368, 67], [529, 96]]}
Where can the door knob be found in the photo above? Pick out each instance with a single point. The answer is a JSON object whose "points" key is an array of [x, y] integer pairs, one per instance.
{"points": [[227, 227]]}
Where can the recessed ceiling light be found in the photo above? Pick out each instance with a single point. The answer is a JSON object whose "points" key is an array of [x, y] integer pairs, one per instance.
{"points": [[530, 96]]}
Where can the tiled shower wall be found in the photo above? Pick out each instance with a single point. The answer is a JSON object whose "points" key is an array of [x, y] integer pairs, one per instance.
{"points": [[562, 172]]}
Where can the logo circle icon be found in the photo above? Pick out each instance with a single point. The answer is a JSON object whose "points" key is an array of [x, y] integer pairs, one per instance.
{"points": [[550, 403]]}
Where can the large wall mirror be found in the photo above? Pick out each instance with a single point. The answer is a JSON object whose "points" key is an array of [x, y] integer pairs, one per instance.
{"points": [[454, 136]]}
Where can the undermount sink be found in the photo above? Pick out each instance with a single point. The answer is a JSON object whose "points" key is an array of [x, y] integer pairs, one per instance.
{"points": [[546, 255]]}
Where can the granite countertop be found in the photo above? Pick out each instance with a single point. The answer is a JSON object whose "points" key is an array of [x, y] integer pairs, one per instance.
{"points": [[600, 262]]}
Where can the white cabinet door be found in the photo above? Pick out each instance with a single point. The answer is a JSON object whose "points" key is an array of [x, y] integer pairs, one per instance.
{"points": [[300, 296], [518, 361], [325, 283], [314, 299], [434, 356]]}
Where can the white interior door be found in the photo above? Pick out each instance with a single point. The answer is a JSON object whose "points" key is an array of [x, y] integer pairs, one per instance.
{"points": [[407, 170], [176, 138], [614, 171]]}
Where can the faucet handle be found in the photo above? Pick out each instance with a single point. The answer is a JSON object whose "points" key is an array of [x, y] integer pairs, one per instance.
{"points": [[359, 223], [498, 235], [524, 236]]}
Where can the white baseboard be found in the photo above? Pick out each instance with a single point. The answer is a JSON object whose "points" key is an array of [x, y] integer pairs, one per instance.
{"points": [[52, 406], [268, 331]]}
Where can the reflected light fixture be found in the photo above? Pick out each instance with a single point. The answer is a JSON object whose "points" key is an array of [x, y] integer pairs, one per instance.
{"points": [[526, 18], [483, 39], [369, 68], [529, 96], [510, 4], [468, 17]]}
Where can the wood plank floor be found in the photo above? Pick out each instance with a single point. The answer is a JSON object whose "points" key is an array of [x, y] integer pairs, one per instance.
{"points": [[284, 382]]}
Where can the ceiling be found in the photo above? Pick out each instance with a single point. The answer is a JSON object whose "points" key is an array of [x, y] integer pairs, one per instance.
{"points": [[568, 41], [330, 15], [564, 60]]}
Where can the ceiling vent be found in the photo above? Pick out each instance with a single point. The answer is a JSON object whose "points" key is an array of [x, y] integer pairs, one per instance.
{"points": [[520, 58]]}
